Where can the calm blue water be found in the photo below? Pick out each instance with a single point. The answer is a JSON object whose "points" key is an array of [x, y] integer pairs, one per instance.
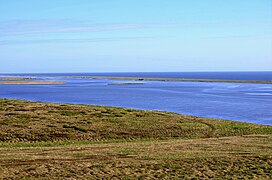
{"points": [[233, 101]]}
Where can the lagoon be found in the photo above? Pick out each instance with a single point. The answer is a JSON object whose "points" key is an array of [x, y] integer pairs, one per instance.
{"points": [[233, 101]]}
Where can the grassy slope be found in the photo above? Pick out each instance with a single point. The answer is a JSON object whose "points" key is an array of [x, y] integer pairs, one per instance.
{"points": [[51, 140]]}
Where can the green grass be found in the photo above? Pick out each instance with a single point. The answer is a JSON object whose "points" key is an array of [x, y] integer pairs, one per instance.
{"points": [[46, 140], [68, 143], [30, 121]]}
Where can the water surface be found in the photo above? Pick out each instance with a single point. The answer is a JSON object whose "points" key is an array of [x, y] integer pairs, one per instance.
{"points": [[233, 101]]}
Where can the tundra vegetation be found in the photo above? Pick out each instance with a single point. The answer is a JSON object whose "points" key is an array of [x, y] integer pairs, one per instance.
{"points": [[175, 79], [26, 81], [54, 141]]}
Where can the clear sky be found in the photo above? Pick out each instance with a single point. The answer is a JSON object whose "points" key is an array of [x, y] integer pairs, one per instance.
{"points": [[135, 35]]}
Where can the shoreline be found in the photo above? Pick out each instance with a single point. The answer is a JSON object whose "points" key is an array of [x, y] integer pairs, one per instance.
{"points": [[133, 109], [30, 82], [26, 81], [21, 80], [172, 79], [129, 109]]}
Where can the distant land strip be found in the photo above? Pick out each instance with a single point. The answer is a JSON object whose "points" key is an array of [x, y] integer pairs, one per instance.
{"points": [[26, 81], [31, 82], [15, 79], [175, 79]]}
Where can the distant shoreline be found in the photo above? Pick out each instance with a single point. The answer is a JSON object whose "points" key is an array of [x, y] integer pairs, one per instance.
{"points": [[21, 80], [30, 82], [174, 79], [26, 81]]}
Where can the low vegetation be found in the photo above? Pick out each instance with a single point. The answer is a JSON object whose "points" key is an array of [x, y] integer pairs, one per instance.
{"points": [[176, 79], [46, 140], [26, 81], [32, 82]]}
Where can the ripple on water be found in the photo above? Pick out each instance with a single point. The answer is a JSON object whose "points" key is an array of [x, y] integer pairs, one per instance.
{"points": [[260, 94]]}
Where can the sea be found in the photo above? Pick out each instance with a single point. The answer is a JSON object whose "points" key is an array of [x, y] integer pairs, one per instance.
{"points": [[243, 102]]}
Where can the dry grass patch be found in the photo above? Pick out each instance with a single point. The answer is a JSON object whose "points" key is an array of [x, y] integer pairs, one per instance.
{"points": [[231, 157]]}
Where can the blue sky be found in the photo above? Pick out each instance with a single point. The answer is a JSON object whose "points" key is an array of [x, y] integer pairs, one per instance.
{"points": [[135, 35]]}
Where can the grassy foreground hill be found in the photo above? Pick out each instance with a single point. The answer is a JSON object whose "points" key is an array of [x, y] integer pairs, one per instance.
{"points": [[60, 141]]}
